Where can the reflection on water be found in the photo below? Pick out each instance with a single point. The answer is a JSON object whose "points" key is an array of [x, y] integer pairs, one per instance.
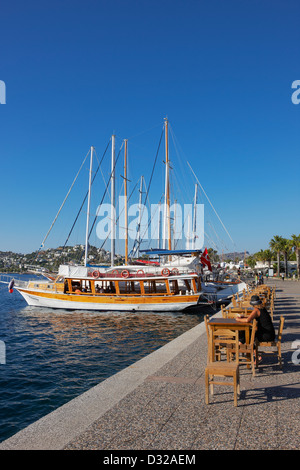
{"points": [[53, 356]]}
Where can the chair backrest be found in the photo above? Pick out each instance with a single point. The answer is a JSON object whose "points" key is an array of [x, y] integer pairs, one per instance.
{"points": [[233, 301], [280, 329], [223, 311], [206, 318], [208, 334], [225, 337], [253, 331]]}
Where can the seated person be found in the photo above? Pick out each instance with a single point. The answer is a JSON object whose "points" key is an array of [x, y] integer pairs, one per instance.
{"points": [[265, 328]]}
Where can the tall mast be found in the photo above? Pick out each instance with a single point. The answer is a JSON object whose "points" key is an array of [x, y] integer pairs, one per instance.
{"points": [[167, 219], [159, 226], [140, 217], [194, 217], [88, 210], [187, 243], [125, 194], [112, 188]]}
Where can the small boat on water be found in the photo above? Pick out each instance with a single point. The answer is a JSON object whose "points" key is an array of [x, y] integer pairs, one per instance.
{"points": [[116, 291]]}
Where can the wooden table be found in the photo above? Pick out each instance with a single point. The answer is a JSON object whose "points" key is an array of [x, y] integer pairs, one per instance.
{"points": [[231, 324], [232, 312]]}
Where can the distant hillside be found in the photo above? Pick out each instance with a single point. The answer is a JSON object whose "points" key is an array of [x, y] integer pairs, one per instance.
{"points": [[233, 256]]}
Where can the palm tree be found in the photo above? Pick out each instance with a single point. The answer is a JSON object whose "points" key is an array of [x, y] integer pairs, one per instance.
{"points": [[296, 245], [286, 248], [268, 255], [277, 244]]}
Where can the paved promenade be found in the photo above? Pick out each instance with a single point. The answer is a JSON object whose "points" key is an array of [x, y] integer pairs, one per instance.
{"points": [[158, 402]]}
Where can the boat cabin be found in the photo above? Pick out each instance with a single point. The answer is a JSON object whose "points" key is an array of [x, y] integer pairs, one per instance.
{"points": [[181, 285]]}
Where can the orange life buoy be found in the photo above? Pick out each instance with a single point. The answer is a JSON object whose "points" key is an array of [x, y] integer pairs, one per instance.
{"points": [[165, 272], [125, 273], [175, 271], [140, 272], [96, 274]]}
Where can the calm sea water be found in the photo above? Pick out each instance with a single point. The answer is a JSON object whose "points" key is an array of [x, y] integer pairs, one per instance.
{"points": [[53, 356]]}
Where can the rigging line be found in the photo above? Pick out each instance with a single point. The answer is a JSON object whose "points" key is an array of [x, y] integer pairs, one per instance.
{"points": [[118, 217], [178, 152], [144, 132], [211, 204], [150, 220], [221, 241], [107, 185], [147, 192], [45, 238], [86, 195]]}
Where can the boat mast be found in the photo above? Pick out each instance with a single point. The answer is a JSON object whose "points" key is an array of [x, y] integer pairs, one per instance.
{"points": [[112, 188], [125, 194], [167, 219], [140, 217], [159, 224], [88, 209], [194, 218], [187, 243]]}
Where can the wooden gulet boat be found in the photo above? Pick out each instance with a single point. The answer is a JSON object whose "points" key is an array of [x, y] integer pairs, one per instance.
{"points": [[125, 292]]}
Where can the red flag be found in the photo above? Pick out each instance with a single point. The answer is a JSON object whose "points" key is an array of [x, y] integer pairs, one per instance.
{"points": [[205, 259]]}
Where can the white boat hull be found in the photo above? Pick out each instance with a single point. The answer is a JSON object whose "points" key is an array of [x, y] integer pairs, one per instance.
{"points": [[220, 291], [38, 301]]}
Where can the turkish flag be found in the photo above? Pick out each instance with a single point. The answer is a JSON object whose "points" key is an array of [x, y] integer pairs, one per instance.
{"points": [[205, 259]]}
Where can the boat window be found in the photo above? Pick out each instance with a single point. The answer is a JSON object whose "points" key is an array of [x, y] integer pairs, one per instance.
{"points": [[174, 286], [161, 287], [129, 287]]}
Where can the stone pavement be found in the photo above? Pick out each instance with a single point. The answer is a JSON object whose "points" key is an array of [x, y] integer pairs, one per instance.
{"points": [[158, 402]]}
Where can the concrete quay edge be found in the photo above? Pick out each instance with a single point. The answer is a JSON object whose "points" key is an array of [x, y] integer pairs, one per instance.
{"points": [[56, 429]]}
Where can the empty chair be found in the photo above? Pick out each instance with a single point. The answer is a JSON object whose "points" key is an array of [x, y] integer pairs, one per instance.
{"points": [[215, 370]]}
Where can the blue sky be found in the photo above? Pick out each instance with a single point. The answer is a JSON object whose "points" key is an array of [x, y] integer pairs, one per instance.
{"points": [[76, 72]]}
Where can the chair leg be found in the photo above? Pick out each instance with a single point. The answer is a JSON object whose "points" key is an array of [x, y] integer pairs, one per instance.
{"points": [[238, 382], [206, 387], [279, 355], [253, 364], [235, 386]]}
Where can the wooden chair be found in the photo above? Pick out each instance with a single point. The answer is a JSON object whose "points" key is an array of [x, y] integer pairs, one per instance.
{"points": [[247, 352], [272, 344], [219, 369], [208, 334], [223, 311]]}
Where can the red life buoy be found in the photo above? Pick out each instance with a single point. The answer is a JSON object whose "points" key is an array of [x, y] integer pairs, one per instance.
{"points": [[96, 274], [115, 272], [125, 273], [165, 272], [175, 271], [140, 272]]}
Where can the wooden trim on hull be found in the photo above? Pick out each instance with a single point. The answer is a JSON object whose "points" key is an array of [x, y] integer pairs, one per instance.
{"points": [[109, 302]]}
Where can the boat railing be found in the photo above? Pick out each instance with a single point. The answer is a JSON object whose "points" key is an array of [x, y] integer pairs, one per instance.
{"points": [[140, 274], [5, 279]]}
